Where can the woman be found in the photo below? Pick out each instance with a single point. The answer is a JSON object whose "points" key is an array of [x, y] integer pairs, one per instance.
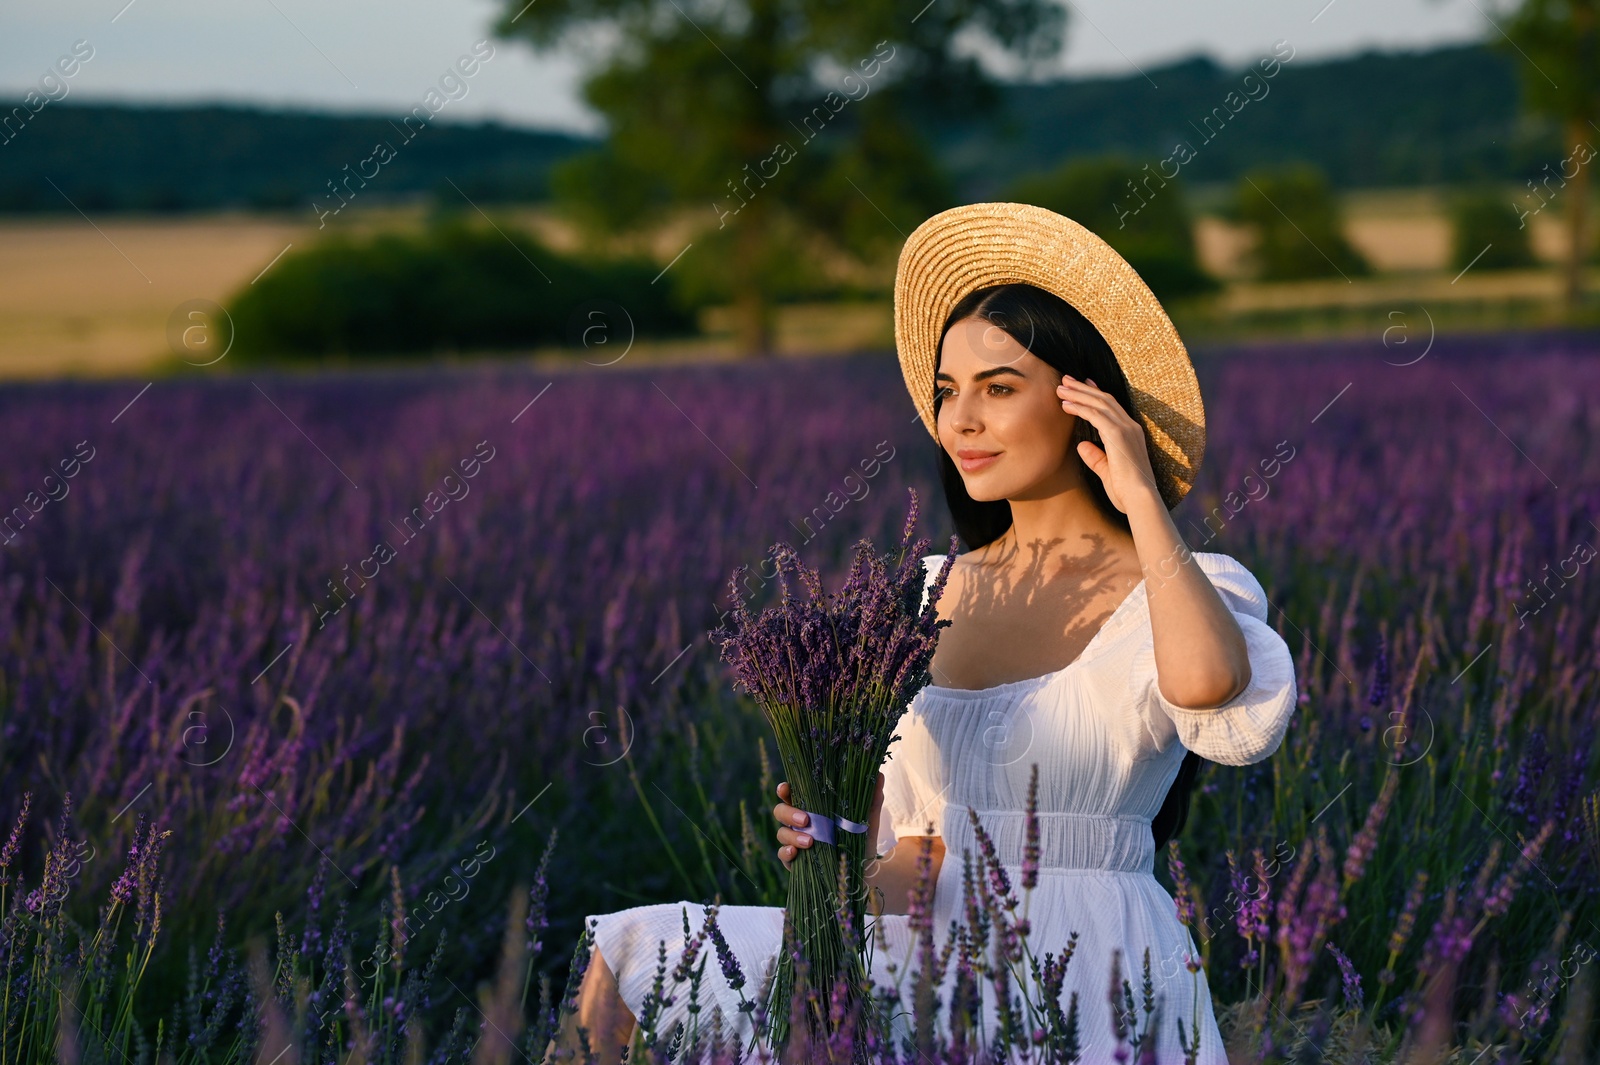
{"points": [[1085, 638]]}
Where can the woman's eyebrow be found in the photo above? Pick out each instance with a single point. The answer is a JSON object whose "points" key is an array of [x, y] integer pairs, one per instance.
{"points": [[983, 375]]}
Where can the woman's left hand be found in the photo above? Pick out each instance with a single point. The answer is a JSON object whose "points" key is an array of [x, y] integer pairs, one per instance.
{"points": [[1123, 465]]}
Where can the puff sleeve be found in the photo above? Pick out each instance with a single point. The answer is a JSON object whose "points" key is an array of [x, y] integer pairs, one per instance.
{"points": [[1251, 725], [913, 794]]}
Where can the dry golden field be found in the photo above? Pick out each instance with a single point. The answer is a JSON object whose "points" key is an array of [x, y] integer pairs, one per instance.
{"points": [[94, 298], [1400, 231], [91, 299]]}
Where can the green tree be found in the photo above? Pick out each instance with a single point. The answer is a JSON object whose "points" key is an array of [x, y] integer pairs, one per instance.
{"points": [[1488, 232], [1298, 228], [1132, 208], [1559, 43], [780, 121]]}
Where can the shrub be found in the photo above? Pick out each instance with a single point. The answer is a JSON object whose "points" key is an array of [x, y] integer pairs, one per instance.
{"points": [[1485, 223], [1297, 222], [449, 287]]}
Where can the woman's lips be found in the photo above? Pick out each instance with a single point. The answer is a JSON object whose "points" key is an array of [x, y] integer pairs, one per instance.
{"points": [[975, 460]]}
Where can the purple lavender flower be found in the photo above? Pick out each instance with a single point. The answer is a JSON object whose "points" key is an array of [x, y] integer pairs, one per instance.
{"points": [[999, 879], [1444, 940], [731, 971], [215, 954], [311, 939], [1243, 918], [1301, 938], [8, 853], [832, 674], [538, 898], [1260, 904], [1030, 846], [1288, 906], [122, 890], [1366, 840], [691, 950], [1180, 882], [1499, 900], [1401, 935], [1352, 979], [1379, 692], [1122, 1016], [582, 955]]}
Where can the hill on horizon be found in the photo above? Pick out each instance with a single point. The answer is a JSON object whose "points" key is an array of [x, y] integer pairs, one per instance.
{"points": [[177, 157], [1445, 116]]}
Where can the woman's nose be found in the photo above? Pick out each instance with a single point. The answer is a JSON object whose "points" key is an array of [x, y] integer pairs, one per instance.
{"points": [[962, 418]]}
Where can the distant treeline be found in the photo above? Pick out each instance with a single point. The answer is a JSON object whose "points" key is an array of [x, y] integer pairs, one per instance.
{"points": [[119, 158], [1446, 116]]}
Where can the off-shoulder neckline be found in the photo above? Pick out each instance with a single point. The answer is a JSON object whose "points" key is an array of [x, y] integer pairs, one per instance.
{"points": [[1028, 682], [1138, 591]]}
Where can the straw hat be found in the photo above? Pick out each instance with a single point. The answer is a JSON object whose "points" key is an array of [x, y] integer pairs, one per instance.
{"points": [[959, 251]]}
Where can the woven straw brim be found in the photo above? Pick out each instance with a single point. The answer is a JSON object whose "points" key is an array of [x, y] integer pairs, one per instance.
{"points": [[959, 251]]}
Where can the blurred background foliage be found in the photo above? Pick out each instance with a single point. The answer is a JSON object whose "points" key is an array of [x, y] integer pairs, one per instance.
{"points": [[1487, 231], [1140, 214], [1296, 219], [689, 181], [460, 283]]}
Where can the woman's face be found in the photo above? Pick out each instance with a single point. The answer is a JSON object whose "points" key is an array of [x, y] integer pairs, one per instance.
{"points": [[1001, 421]]}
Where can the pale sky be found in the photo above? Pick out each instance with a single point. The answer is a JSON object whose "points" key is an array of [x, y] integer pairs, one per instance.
{"points": [[362, 55]]}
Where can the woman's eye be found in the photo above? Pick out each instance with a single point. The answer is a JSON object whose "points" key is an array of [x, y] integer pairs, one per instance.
{"points": [[992, 386]]}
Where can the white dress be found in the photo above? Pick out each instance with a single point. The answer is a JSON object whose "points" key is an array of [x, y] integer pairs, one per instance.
{"points": [[1109, 745]]}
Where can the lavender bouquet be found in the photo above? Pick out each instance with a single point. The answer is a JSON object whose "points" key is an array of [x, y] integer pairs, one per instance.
{"points": [[833, 673]]}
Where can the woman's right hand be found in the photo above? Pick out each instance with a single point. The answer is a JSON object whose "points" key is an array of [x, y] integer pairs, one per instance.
{"points": [[792, 821], [790, 839]]}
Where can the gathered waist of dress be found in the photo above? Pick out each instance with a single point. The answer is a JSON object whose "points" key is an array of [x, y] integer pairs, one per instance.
{"points": [[1079, 842]]}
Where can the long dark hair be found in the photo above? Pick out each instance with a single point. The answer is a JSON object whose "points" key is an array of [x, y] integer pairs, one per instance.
{"points": [[1052, 329]]}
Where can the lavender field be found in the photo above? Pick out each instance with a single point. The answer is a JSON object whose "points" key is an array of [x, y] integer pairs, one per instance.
{"points": [[310, 684]]}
